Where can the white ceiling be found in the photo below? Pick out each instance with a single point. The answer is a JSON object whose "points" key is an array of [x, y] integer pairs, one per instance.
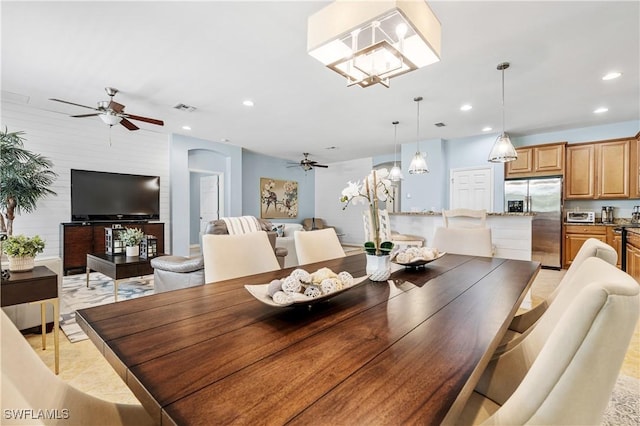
{"points": [[214, 55]]}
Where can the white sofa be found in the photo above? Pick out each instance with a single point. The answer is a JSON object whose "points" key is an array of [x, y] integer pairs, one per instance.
{"points": [[286, 241]]}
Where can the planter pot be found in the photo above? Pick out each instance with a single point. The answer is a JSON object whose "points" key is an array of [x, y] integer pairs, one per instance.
{"points": [[378, 267], [133, 251], [21, 263]]}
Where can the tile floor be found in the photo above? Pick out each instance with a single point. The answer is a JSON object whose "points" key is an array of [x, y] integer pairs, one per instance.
{"points": [[84, 367]]}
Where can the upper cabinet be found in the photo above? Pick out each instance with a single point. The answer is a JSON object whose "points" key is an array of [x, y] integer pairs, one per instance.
{"points": [[538, 160], [598, 170], [634, 167]]}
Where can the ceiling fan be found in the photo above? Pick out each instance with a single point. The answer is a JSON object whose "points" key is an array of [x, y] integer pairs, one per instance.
{"points": [[112, 113], [307, 164]]}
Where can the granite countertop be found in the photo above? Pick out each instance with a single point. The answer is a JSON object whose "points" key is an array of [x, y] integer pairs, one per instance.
{"points": [[617, 222], [432, 213]]}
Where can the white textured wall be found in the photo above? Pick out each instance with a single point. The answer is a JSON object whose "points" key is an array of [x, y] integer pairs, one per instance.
{"points": [[83, 143], [329, 185]]}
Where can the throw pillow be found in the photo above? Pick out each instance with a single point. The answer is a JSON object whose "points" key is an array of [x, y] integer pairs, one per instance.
{"points": [[279, 229]]}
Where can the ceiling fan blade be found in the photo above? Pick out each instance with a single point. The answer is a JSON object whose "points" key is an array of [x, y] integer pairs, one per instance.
{"points": [[116, 106], [320, 165], [129, 125], [73, 103], [145, 119], [86, 115]]}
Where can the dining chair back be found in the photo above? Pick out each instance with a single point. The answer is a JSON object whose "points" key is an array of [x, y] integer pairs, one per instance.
{"points": [[464, 218], [469, 241], [28, 384], [232, 256], [386, 234], [563, 372], [591, 248], [317, 246]]}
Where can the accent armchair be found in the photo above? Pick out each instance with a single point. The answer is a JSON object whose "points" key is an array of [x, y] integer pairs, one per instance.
{"points": [[176, 272]]}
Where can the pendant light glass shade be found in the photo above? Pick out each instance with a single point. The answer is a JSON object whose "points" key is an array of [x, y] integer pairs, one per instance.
{"points": [[503, 150], [395, 174], [418, 163]]}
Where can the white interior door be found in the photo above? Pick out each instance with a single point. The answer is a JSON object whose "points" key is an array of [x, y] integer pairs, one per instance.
{"points": [[209, 200], [471, 189]]}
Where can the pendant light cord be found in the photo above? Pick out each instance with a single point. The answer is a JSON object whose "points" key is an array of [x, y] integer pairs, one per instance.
{"points": [[418, 126], [395, 142]]}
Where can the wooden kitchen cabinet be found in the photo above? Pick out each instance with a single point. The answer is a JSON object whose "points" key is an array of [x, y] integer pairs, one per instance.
{"points": [[633, 255], [579, 180], [615, 241], [612, 173], [538, 160], [576, 235], [634, 167], [597, 170]]}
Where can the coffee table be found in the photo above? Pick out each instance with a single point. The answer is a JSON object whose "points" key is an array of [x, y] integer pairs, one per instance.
{"points": [[118, 267]]}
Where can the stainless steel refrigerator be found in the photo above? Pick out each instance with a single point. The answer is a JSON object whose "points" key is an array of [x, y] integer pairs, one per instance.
{"points": [[542, 196]]}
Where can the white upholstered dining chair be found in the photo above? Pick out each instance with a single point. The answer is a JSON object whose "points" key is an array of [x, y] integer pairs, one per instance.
{"points": [[386, 234], [564, 370], [464, 218], [27, 383], [232, 256], [469, 241], [318, 245], [523, 322]]}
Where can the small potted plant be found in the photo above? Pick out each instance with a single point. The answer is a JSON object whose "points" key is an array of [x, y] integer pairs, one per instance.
{"points": [[21, 251], [131, 237]]}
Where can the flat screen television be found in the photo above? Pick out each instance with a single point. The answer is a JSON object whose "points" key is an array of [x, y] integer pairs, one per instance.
{"points": [[104, 196]]}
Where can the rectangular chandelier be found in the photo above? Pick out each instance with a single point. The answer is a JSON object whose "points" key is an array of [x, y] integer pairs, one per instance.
{"points": [[370, 42]]}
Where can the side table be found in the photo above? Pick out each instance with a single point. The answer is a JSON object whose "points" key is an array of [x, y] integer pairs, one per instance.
{"points": [[40, 285]]}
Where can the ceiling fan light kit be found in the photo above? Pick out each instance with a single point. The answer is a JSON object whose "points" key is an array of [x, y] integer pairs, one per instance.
{"points": [[370, 42], [307, 164], [112, 113], [503, 150]]}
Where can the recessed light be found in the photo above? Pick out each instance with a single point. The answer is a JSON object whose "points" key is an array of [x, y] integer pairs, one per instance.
{"points": [[487, 129], [465, 107], [247, 103], [600, 110], [186, 127], [611, 75]]}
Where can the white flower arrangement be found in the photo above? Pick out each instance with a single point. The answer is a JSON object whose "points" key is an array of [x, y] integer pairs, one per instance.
{"points": [[373, 189]]}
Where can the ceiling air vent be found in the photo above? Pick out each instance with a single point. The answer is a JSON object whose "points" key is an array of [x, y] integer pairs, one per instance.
{"points": [[439, 124], [183, 107]]}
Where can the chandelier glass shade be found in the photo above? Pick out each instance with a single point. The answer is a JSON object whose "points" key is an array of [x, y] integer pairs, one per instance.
{"points": [[370, 42], [503, 150]]}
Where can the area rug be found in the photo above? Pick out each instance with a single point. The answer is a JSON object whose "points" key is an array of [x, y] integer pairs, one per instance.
{"points": [[624, 406], [76, 295]]}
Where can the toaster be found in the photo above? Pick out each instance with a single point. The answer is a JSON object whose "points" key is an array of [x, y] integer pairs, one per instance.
{"points": [[581, 217]]}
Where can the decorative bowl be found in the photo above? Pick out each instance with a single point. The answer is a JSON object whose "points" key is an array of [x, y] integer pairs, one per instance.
{"points": [[418, 263]]}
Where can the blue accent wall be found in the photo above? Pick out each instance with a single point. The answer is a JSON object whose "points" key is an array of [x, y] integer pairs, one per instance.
{"points": [[256, 166]]}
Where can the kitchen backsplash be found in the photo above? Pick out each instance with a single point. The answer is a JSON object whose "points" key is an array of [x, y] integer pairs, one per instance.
{"points": [[622, 208]]}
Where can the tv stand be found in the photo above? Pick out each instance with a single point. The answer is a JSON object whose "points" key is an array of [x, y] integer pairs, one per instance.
{"points": [[79, 238]]}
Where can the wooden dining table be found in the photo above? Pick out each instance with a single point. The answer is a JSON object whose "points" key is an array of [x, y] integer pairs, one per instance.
{"points": [[406, 351]]}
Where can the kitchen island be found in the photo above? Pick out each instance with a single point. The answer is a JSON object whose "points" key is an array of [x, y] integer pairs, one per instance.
{"points": [[510, 232]]}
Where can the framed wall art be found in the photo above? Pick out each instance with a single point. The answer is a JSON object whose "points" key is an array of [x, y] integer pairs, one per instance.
{"points": [[278, 198]]}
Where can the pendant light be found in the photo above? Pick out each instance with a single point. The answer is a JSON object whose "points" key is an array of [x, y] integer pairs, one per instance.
{"points": [[395, 174], [502, 150], [418, 163]]}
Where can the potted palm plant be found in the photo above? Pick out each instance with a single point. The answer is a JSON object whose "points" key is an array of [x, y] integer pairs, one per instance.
{"points": [[132, 237], [21, 251], [25, 178]]}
